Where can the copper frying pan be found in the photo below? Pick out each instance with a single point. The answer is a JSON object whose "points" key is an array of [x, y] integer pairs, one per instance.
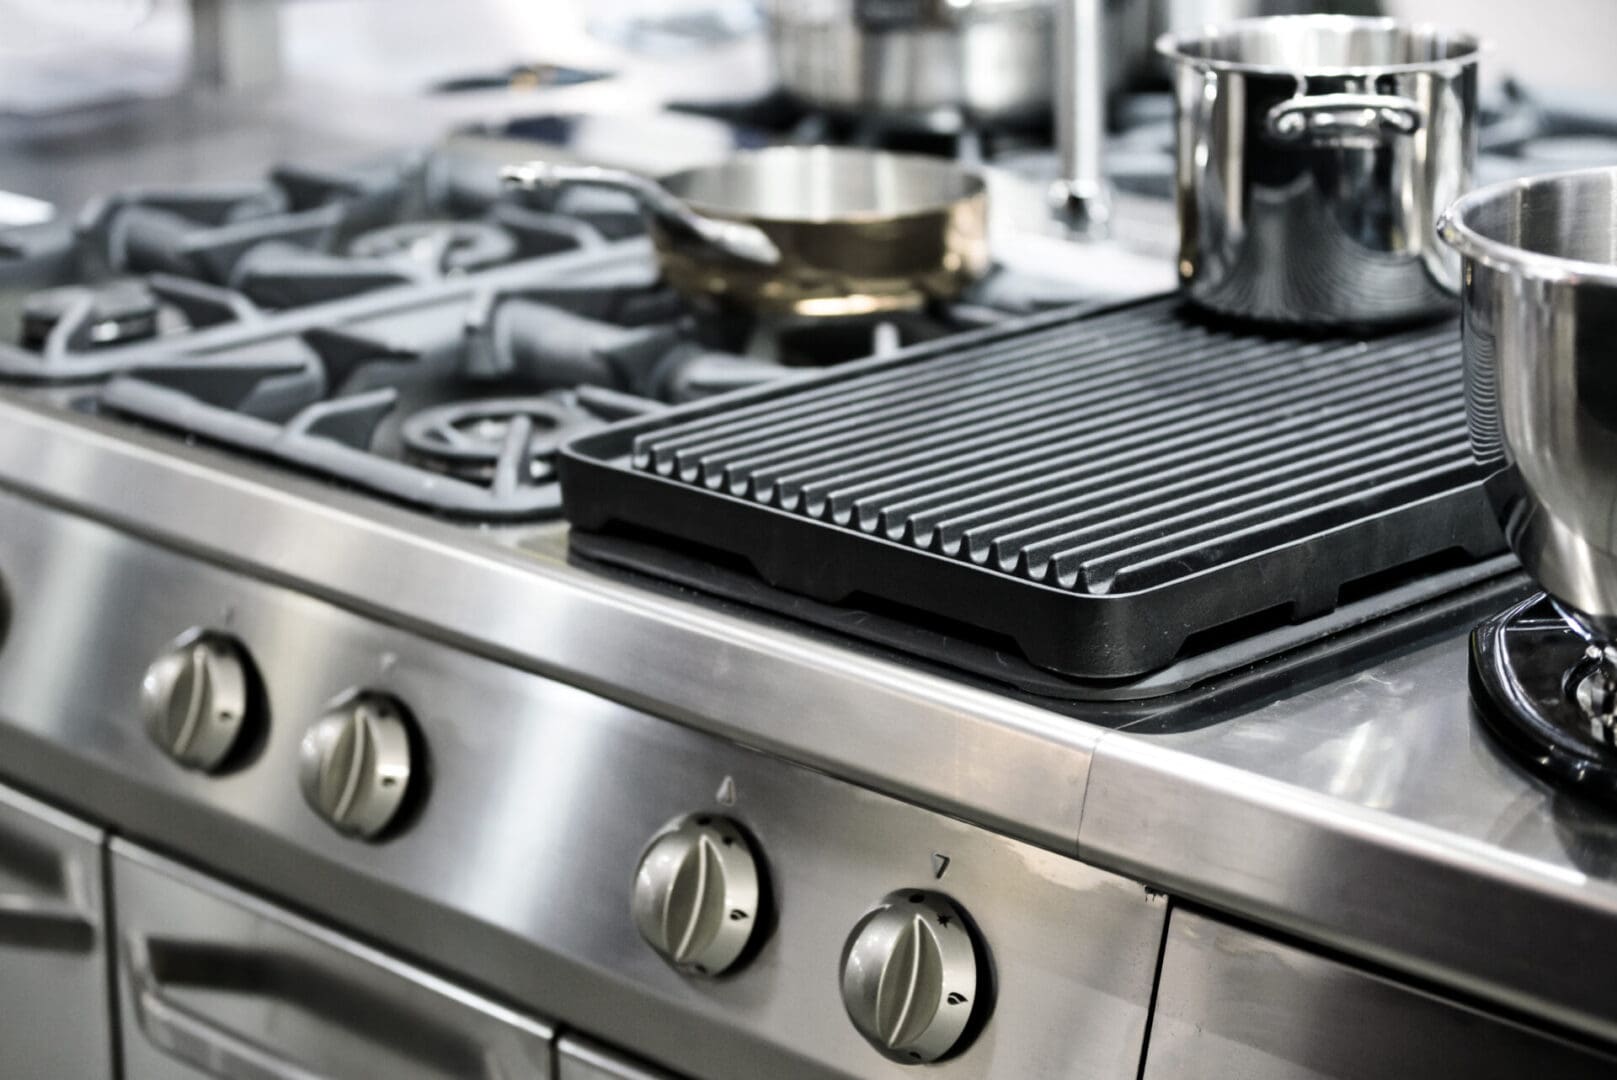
{"points": [[813, 231]]}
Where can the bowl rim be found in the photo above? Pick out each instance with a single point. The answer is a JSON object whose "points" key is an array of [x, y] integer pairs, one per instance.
{"points": [[1454, 229]]}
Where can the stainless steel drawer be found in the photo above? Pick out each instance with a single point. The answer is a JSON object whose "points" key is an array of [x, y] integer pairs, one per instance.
{"points": [[213, 982], [1233, 1004], [55, 1010], [580, 1059]]}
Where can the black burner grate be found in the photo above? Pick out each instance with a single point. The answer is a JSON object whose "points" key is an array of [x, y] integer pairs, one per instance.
{"points": [[1098, 489]]}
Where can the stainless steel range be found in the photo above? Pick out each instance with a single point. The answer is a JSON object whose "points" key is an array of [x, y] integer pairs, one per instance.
{"points": [[338, 754]]}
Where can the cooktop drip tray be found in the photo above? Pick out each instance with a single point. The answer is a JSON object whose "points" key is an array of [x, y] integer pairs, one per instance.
{"points": [[1109, 489]]}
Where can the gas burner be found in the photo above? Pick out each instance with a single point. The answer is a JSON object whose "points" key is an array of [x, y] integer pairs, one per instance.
{"points": [[480, 439], [438, 247], [110, 314], [1546, 685]]}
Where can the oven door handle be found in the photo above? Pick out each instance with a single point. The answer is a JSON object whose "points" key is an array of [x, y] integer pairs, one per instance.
{"points": [[45, 922], [189, 1036], [435, 1027]]}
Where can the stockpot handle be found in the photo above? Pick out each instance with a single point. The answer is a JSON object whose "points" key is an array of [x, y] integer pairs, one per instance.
{"points": [[1328, 117], [734, 238]]}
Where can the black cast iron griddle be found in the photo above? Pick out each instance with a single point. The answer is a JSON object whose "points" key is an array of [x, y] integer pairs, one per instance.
{"points": [[1106, 489]]}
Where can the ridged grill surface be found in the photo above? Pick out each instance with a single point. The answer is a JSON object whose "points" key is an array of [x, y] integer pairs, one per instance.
{"points": [[1108, 455]]}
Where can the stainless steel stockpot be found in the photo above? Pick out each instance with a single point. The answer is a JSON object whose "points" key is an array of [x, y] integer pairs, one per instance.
{"points": [[982, 61], [1315, 153], [987, 60], [1540, 339]]}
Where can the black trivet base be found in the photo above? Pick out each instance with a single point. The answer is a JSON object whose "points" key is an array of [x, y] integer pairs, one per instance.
{"points": [[1526, 664]]}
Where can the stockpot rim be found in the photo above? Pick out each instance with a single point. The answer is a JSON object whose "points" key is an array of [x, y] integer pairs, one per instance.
{"points": [[1173, 45], [1454, 230]]}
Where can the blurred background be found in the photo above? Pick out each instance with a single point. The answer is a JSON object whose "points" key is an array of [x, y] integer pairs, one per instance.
{"points": [[64, 53], [102, 94]]}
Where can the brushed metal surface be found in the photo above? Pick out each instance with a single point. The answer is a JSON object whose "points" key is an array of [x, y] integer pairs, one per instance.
{"points": [[1374, 814], [1233, 1004], [1315, 153], [724, 674], [540, 801], [216, 983], [578, 1058], [54, 1018], [696, 894], [1540, 302]]}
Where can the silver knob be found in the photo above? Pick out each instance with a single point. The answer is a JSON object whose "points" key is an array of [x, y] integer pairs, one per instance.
{"points": [[909, 976], [354, 763], [696, 894], [195, 699]]}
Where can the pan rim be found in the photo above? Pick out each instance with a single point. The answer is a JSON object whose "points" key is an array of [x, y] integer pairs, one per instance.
{"points": [[974, 187]]}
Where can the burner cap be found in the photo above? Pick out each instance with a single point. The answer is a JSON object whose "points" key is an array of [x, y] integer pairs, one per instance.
{"points": [[440, 247], [468, 439], [119, 312], [1546, 687]]}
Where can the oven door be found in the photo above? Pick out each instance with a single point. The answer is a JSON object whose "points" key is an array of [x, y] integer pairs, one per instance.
{"points": [[213, 982], [1233, 1004], [55, 1012]]}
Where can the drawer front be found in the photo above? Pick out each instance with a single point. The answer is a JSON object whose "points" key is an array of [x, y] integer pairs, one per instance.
{"points": [[55, 1009], [213, 982], [1233, 1004]]}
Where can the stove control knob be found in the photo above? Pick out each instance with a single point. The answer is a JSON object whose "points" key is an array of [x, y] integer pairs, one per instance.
{"points": [[354, 763], [909, 976], [196, 699], [696, 894]]}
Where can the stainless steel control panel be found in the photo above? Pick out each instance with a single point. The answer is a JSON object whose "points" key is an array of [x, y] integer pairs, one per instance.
{"points": [[525, 807]]}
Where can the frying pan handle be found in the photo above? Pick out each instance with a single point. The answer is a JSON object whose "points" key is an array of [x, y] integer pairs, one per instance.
{"points": [[734, 238]]}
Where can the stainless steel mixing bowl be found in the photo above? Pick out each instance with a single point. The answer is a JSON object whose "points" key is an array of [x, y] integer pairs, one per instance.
{"points": [[1540, 327]]}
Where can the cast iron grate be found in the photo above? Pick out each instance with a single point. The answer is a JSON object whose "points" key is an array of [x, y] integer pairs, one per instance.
{"points": [[1099, 488]]}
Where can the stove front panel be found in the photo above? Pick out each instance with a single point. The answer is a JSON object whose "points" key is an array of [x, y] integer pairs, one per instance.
{"points": [[529, 805], [1233, 1004]]}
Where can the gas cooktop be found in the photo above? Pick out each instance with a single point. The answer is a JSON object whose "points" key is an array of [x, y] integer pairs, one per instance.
{"points": [[253, 464], [405, 327], [409, 329]]}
